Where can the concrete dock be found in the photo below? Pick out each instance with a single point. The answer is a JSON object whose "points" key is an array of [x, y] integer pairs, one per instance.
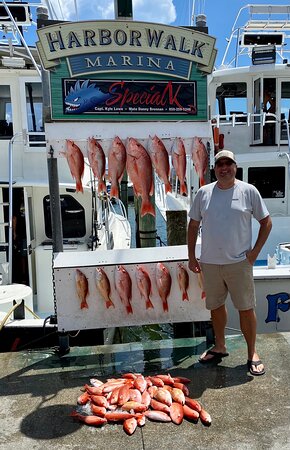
{"points": [[39, 390]]}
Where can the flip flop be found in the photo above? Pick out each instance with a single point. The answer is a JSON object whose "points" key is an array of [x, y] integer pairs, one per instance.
{"points": [[216, 357], [250, 365]]}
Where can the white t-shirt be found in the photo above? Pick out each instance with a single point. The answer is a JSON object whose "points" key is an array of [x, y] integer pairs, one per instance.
{"points": [[226, 216]]}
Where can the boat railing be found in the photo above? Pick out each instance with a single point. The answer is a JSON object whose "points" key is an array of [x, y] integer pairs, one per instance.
{"points": [[17, 138], [12, 29], [245, 118], [262, 20], [122, 210], [110, 213], [248, 119], [9, 244]]}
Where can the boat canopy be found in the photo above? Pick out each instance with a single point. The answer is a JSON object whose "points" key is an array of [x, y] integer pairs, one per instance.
{"points": [[259, 28]]}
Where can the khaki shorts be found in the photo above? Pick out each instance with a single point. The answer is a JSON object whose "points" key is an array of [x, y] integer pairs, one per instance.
{"points": [[236, 279]]}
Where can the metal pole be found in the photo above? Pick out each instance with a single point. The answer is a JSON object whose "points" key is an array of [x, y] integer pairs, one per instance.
{"points": [[55, 208], [10, 235], [42, 14], [53, 182], [57, 233]]}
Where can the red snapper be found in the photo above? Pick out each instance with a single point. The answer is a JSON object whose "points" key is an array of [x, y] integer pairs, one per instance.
{"points": [[97, 162], [76, 163], [139, 169]]}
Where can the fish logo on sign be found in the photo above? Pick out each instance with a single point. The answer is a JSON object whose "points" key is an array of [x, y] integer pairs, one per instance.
{"points": [[277, 302], [83, 97]]}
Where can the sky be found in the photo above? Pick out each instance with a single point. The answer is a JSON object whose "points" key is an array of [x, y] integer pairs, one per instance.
{"points": [[220, 13]]}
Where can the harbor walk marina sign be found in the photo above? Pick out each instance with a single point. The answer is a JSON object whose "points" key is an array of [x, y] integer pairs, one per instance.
{"points": [[104, 70]]}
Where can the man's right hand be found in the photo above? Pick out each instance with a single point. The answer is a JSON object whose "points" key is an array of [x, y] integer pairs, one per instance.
{"points": [[193, 265]]}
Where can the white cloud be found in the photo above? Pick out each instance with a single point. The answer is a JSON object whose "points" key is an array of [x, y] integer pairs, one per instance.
{"points": [[162, 11]]}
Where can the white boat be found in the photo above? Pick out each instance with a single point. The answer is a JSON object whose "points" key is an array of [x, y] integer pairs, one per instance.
{"points": [[89, 221], [249, 99], [256, 130], [24, 172], [249, 104]]}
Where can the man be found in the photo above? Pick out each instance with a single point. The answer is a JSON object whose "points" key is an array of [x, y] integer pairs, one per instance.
{"points": [[226, 208]]}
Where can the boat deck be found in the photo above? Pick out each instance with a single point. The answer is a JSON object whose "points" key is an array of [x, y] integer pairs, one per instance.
{"points": [[39, 390]]}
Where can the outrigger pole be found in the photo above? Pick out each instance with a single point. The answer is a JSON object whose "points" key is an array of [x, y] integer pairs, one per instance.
{"points": [[53, 182]]}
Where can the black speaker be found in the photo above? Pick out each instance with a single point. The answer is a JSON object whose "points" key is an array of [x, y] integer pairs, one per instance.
{"points": [[124, 8]]}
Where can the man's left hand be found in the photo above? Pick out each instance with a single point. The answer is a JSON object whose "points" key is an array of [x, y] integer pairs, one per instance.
{"points": [[251, 257]]}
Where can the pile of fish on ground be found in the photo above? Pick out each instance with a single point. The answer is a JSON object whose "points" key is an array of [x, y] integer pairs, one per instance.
{"points": [[133, 398]]}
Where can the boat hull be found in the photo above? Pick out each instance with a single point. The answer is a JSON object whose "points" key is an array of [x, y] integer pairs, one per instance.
{"points": [[273, 301]]}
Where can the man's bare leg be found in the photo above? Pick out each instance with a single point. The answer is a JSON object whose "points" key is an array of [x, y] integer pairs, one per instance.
{"points": [[219, 320], [248, 322]]}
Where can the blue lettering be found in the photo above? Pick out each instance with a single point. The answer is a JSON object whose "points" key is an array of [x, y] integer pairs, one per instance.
{"points": [[170, 42], [279, 301], [105, 37], [55, 40], [134, 38], [196, 49], [120, 37], [73, 40], [153, 38], [183, 45], [88, 38]]}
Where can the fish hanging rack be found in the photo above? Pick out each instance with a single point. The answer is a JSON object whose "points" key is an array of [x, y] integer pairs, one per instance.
{"points": [[60, 145]]}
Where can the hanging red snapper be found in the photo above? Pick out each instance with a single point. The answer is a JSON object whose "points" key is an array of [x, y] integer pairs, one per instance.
{"points": [[160, 160], [116, 165], [82, 287], [163, 281], [179, 163], [97, 162], [103, 286], [139, 169], [144, 285], [183, 280], [200, 158], [123, 285], [76, 163]]}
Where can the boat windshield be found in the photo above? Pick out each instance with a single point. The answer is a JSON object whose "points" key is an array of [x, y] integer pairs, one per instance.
{"points": [[72, 214], [6, 128]]}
